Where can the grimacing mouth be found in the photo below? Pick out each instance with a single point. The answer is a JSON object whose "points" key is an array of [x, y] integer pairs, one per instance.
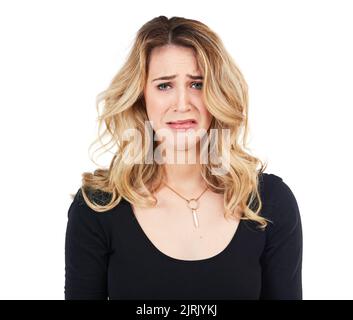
{"points": [[182, 121]]}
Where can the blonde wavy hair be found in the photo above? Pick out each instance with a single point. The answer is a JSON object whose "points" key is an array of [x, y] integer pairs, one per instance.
{"points": [[225, 94]]}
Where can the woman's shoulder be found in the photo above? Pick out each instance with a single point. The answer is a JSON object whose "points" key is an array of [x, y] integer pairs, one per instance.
{"points": [[279, 201], [87, 222], [272, 188], [80, 208], [94, 195]]}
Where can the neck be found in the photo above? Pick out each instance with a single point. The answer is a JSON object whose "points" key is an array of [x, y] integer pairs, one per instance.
{"points": [[182, 171], [184, 177]]}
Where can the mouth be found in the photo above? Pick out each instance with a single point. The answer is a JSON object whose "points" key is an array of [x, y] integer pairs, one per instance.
{"points": [[182, 121], [182, 124]]}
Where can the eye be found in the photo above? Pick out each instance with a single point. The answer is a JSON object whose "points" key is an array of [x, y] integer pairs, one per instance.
{"points": [[167, 83], [162, 84], [198, 83]]}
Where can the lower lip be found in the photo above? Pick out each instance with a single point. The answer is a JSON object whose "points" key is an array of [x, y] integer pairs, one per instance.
{"points": [[182, 126]]}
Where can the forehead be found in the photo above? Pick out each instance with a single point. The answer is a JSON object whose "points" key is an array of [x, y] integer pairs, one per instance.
{"points": [[172, 59]]}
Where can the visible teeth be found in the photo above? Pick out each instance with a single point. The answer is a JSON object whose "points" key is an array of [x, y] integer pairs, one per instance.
{"points": [[192, 121]]}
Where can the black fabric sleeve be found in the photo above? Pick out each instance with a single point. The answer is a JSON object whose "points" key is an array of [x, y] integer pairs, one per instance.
{"points": [[86, 253], [282, 257]]}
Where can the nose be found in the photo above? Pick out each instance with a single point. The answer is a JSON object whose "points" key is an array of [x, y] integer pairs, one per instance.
{"points": [[182, 101]]}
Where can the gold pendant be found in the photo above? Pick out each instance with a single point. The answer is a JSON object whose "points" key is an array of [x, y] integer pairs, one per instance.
{"points": [[196, 222], [193, 205]]}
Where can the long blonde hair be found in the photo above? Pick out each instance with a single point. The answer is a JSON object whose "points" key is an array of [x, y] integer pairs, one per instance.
{"points": [[225, 94]]}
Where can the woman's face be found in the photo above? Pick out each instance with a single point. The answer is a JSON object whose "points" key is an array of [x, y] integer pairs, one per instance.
{"points": [[177, 98]]}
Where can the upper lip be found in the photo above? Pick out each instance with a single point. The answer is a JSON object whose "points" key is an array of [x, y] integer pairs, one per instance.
{"points": [[182, 121]]}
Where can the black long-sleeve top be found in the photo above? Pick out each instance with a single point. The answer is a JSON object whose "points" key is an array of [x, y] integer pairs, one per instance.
{"points": [[108, 256]]}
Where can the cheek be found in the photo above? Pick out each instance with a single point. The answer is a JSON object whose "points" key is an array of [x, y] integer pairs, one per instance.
{"points": [[154, 116], [153, 109], [207, 117], [156, 113]]}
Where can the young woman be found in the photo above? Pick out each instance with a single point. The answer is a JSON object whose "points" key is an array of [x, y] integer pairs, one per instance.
{"points": [[165, 220]]}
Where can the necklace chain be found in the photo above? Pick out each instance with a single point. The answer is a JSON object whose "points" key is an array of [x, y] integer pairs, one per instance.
{"points": [[188, 200], [191, 203]]}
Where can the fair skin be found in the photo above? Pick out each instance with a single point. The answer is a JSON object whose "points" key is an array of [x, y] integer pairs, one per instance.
{"points": [[169, 225], [178, 98]]}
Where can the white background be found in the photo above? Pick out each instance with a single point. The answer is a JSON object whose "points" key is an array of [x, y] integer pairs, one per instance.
{"points": [[56, 56]]}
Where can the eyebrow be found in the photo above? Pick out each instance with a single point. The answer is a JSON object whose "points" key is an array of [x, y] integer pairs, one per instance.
{"points": [[175, 75]]}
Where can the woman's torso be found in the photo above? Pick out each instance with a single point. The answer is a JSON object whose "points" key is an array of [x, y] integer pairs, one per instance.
{"points": [[158, 254], [170, 227]]}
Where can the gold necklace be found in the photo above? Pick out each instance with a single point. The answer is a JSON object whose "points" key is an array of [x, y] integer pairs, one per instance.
{"points": [[192, 203]]}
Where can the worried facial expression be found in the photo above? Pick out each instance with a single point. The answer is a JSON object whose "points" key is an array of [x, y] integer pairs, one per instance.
{"points": [[173, 92]]}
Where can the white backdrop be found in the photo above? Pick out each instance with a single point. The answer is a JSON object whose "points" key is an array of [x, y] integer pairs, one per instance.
{"points": [[56, 56]]}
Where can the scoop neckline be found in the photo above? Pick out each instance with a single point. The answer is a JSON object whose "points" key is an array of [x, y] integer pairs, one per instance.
{"points": [[165, 256]]}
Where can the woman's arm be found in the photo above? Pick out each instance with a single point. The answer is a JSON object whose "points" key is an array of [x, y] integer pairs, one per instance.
{"points": [[282, 256], [86, 253]]}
